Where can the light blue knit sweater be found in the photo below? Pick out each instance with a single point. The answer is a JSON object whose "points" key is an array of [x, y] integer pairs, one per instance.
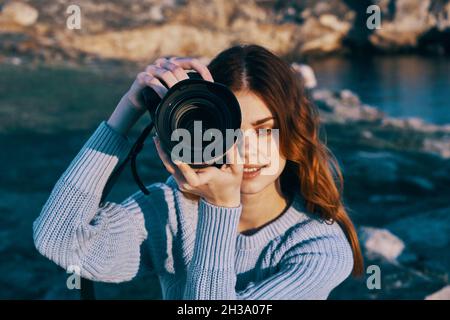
{"points": [[194, 246]]}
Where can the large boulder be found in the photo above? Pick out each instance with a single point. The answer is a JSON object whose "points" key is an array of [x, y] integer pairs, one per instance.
{"points": [[410, 20], [428, 235], [323, 34], [19, 13], [306, 73], [411, 24], [344, 106], [381, 243]]}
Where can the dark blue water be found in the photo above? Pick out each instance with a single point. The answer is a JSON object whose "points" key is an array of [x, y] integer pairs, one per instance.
{"points": [[401, 86]]}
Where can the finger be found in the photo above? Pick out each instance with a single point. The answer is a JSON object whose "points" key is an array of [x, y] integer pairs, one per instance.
{"points": [[170, 167], [206, 174], [189, 174], [147, 80], [190, 63], [182, 183], [163, 74], [161, 60], [234, 160], [178, 71]]}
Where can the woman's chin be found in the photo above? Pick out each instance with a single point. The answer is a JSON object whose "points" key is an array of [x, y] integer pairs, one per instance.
{"points": [[251, 186]]}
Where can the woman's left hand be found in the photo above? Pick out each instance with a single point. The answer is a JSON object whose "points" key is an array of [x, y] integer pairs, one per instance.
{"points": [[220, 187]]}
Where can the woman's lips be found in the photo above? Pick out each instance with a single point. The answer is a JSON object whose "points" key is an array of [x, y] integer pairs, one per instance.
{"points": [[251, 172]]}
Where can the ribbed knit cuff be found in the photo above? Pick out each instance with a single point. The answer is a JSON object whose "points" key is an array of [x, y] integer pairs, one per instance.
{"points": [[92, 167], [137, 216], [216, 236]]}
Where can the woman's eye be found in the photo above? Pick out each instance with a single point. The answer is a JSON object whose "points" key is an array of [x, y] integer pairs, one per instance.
{"points": [[264, 131]]}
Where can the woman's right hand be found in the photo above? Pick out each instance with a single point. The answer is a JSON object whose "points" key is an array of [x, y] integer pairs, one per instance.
{"points": [[163, 72]]}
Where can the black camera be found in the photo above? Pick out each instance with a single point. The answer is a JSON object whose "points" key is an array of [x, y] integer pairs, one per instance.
{"points": [[194, 119]]}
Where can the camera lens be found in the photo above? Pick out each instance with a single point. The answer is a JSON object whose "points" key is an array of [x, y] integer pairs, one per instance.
{"points": [[186, 115], [197, 108]]}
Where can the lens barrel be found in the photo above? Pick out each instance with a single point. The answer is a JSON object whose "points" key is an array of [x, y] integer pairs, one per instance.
{"points": [[195, 120]]}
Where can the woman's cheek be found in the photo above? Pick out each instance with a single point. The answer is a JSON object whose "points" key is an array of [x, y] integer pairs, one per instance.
{"points": [[276, 167], [273, 156]]}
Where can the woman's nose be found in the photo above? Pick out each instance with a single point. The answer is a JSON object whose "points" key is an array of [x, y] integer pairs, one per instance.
{"points": [[249, 146]]}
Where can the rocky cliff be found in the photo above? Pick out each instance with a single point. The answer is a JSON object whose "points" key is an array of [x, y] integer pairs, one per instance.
{"points": [[139, 30]]}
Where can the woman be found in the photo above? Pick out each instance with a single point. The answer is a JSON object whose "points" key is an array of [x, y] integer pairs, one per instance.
{"points": [[229, 233]]}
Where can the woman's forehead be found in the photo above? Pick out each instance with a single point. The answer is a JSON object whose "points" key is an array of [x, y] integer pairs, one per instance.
{"points": [[253, 108]]}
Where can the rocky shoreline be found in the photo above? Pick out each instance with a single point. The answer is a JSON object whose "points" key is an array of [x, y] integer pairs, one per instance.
{"points": [[139, 30], [397, 174]]}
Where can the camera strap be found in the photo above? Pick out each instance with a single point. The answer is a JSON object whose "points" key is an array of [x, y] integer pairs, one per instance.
{"points": [[137, 147]]}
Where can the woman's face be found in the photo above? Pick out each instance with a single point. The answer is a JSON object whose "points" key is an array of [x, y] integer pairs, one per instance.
{"points": [[260, 147]]}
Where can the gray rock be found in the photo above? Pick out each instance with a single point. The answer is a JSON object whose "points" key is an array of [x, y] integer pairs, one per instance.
{"points": [[428, 235], [370, 164], [443, 294], [343, 106], [381, 243], [425, 230], [307, 74]]}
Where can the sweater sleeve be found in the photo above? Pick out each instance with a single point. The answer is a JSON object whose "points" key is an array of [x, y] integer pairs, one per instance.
{"points": [[309, 270], [75, 232]]}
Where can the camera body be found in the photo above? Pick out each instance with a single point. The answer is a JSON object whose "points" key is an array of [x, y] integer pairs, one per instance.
{"points": [[194, 120]]}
